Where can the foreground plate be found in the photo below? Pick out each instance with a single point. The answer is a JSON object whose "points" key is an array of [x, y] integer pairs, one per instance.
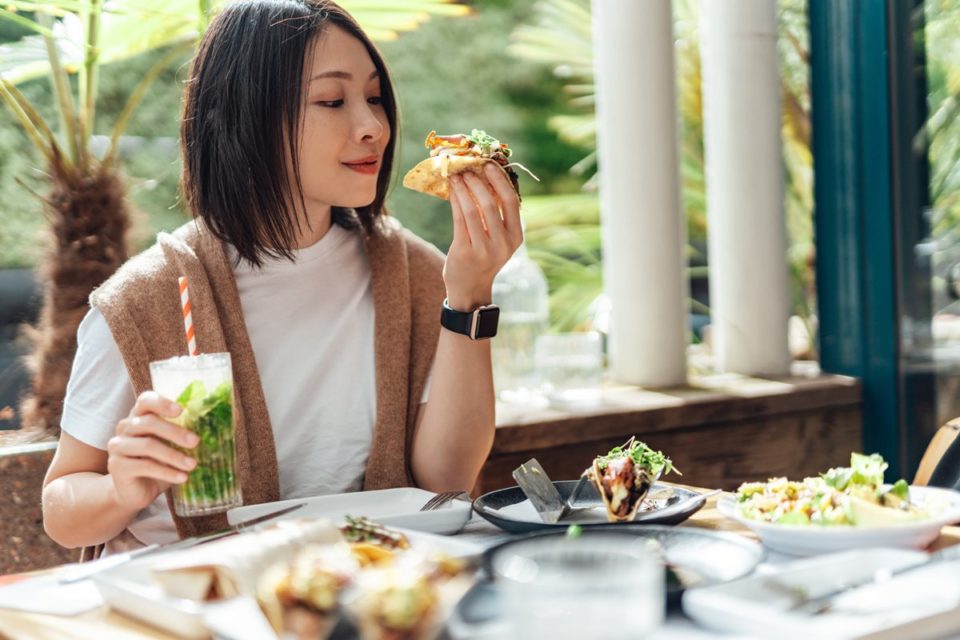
{"points": [[510, 510], [393, 507], [130, 589], [918, 604], [812, 540], [712, 556]]}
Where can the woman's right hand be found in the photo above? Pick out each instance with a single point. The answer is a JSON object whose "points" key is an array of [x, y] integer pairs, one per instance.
{"points": [[139, 457]]}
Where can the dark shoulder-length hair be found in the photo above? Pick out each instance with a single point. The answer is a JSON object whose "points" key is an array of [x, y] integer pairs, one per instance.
{"points": [[241, 122]]}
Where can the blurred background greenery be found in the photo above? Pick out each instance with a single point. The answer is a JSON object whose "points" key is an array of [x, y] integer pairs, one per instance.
{"points": [[943, 125], [527, 77], [523, 70], [495, 92]]}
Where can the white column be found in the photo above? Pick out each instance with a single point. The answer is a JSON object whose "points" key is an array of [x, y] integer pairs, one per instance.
{"points": [[749, 297], [644, 261]]}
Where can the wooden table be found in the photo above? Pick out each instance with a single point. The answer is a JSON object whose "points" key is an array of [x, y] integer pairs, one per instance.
{"points": [[105, 623]]}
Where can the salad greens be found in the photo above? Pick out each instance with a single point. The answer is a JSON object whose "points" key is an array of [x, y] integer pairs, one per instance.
{"points": [[487, 143], [210, 416], [848, 496], [863, 470], [642, 456]]}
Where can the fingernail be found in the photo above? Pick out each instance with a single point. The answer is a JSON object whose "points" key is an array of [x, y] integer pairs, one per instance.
{"points": [[492, 170], [175, 409], [193, 440], [181, 477], [189, 462]]}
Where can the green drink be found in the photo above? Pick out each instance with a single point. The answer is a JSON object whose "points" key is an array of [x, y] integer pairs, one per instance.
{"points": [[203, 386]]}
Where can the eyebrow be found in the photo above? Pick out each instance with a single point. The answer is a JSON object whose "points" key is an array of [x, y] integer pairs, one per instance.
{"points": [[343, 75]]}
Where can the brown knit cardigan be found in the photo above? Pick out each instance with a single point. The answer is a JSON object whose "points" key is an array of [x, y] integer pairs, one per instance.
{"points": [[141, 304]]}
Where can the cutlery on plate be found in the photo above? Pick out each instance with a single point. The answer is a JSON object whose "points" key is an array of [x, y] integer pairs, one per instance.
{"points": [[552, 508], [441, 499], [543, 494], [806, 604], [683, 502], [84, 571]]}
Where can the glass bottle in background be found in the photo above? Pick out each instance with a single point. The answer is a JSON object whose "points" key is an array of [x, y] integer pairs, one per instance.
{"points": [[520, 290]]}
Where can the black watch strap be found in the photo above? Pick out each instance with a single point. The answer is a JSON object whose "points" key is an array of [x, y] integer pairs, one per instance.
{"points": [[479, 324]]}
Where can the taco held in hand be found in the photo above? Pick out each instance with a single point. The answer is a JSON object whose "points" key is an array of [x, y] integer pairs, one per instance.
{"points": [[624, 476], [454, 154]]}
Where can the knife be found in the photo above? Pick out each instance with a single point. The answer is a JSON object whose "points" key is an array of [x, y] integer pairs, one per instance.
{"points": [[806, 604], [543, 494], [82, 572]]}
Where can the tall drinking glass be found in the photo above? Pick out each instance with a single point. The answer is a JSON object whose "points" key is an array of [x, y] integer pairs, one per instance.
{"points": [[556, 587], [203, 386], [571, 366]]}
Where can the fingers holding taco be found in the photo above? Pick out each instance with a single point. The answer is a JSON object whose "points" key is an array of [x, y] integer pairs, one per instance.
{"points": [[458, 153]]}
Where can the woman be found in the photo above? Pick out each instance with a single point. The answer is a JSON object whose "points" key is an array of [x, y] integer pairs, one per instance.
{"points": [[343, 377]]}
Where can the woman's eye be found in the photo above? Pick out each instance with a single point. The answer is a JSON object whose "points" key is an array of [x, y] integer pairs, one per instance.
{"points": [[333, 104], [376, 100]]}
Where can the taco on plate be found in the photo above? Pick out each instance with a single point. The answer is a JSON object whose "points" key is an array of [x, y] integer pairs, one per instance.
{"points": [[623, 477]]}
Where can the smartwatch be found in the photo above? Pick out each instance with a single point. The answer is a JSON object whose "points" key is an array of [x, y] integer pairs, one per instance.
{"points": [[479, 324]]}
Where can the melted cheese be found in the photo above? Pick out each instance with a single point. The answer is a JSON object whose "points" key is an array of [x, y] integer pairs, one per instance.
{"points": [[620, 493]]}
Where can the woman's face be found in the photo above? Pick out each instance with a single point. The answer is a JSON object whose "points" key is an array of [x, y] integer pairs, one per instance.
{"points": [[344, 128]]}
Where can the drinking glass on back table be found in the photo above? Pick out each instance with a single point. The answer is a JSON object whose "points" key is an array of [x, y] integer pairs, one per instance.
{"points": [[571, 367]]}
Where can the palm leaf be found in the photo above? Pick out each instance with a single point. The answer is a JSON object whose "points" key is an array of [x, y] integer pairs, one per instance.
{"points": [[132, 27]]}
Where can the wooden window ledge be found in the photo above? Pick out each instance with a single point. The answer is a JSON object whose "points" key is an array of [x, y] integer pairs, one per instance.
{"points": [[719, 431]]}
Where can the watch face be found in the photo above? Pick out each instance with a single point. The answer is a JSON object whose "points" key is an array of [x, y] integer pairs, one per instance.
{"points": [[487, 323]]}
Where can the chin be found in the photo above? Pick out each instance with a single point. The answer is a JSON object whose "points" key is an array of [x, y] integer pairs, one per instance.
{"points": [[355, 203], [357, 200]]}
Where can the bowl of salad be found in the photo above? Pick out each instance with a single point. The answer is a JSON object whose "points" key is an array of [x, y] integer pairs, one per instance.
{"points": [[843, 508]]}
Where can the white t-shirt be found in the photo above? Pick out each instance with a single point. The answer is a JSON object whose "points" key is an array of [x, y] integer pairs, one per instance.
{"points": [[311, 325]]}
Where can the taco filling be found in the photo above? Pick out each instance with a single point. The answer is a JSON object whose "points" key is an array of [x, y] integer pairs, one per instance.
{"points": [[624, 476], [458, 153], [301, 598]]}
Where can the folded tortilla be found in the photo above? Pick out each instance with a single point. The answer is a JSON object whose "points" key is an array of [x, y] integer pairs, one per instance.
{"points": [[431, 176], [230, 567]]}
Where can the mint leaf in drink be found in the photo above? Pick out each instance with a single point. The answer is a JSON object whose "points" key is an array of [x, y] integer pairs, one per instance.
{"points": [[210, 416], [194, 392]]}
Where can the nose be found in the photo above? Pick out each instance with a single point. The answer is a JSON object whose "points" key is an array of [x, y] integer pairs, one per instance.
{"points": [[371, 124]]}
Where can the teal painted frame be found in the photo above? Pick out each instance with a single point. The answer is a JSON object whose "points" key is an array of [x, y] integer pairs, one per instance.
{"points": [[854, 215], [910, 171]]}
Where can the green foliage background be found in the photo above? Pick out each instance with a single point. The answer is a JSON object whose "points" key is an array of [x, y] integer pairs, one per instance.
{"points": [[441, 84], [942, 42], [541, 105]]}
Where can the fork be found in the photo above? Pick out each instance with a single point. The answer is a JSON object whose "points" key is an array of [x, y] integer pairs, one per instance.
{"points": [[441, 499]]}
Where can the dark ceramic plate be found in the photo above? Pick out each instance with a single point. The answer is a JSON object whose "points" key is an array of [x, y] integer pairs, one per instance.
{"points": [[695, 557], [510, 510]]}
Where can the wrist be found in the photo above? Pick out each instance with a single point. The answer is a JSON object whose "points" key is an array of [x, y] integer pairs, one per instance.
{"points": [[469, 302], [477, 324], [119, 504]]}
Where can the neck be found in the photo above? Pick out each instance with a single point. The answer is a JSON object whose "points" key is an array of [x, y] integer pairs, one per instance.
{"points": [[320, 218]]}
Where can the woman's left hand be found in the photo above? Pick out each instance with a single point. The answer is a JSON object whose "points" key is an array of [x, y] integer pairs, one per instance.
{"points": [[486, 232]]}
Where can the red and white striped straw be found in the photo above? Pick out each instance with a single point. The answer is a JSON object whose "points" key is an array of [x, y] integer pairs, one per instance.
{"points": [[188, 318]]}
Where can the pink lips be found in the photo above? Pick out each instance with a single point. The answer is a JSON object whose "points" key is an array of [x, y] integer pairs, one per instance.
{"points": [[369, 165]]}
